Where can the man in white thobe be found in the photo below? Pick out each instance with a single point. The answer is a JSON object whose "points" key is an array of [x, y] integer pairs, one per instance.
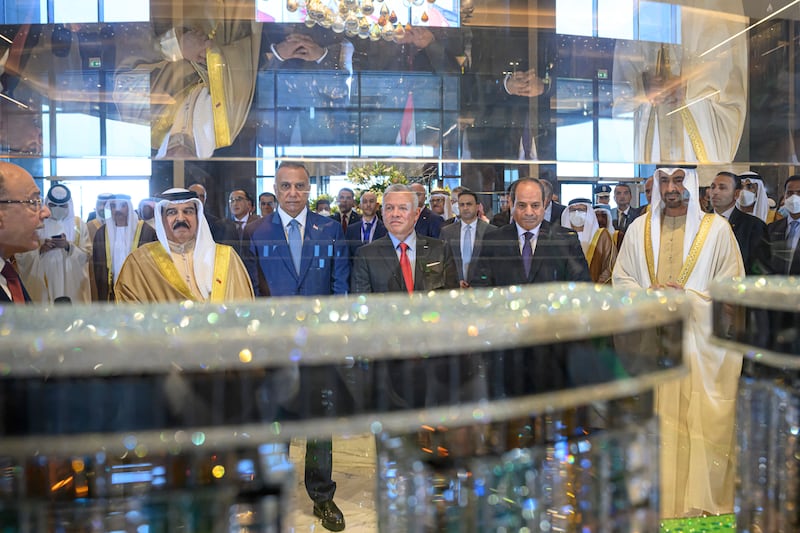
{"points": [[675, 245], [60, 267]]}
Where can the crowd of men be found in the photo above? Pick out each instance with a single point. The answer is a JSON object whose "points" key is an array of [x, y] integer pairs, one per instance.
{"points": [[172, 250]]}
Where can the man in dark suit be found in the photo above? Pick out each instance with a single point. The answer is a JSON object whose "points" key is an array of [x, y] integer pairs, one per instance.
{"points": [[428, 222], [217, 226], [750, 231], [466, 235], [783, 234], [403, 260], [297, 252], [623, 214], [369, 228], [21, 214], [530, 250], [236, 234], [346, 200], [552, 210]]}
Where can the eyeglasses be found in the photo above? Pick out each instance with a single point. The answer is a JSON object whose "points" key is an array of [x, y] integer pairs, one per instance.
{"points": [[237, 199], [35, 203]]}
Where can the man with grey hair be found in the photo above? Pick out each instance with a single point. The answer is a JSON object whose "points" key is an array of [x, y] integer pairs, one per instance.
{"points": [[185, 263], [403, 260]]}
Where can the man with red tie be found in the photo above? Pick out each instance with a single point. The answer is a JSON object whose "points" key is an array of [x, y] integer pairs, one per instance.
{"points": [[403, 260], [21, 214]]}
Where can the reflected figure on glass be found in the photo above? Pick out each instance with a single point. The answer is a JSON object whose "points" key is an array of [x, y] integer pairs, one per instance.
{"points": [[677, 246], [185, 263], [688, 99], [193, 82], [753, 198], [60, 267], [784, 233]]}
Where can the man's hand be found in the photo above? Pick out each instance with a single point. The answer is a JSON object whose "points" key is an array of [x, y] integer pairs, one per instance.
{"points": [[525, 84], [299, 46], [419, 37], [194, 45]]}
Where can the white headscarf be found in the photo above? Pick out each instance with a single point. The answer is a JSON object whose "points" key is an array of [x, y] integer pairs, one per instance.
{"points": [[205, 248], [59, 195], [590, 226], [446, 200], [122, 247], [693, 214], [761, 207]]}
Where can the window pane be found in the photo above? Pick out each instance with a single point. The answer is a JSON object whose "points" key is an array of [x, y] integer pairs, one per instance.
{"points": [[574, 17], [615, 19], [659, 22], [77, 135], [574, 142], [570, 191], [75, 10], [127, 139], [615, 142], [129, 10]]}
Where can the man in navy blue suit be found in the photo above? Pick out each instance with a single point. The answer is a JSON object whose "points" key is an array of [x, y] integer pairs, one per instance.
{"points": [[369, 226], [21, 214], [297, 252]]}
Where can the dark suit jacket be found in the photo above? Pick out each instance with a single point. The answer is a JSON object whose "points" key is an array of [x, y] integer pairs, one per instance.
{"points": [[324, 265], [779, 252], [376, 267], [4, 298], [502, 218], [751, 234], [555, 214], [238, 240], [429, 223], [632, 214], [352, 217], [353, 235], [451, 234], [558, 257]]}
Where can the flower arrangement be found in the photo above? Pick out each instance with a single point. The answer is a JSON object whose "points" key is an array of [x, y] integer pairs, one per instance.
{"points": [[376, 177]]}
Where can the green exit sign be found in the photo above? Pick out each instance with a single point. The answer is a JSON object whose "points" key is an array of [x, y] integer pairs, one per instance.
{"points": [[95, 62], [602, 74]]}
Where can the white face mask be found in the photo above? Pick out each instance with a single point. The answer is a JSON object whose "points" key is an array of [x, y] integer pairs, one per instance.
{"points": [[792, 204], [577, 218], [59, 213], [747, 198], [325, 213]]}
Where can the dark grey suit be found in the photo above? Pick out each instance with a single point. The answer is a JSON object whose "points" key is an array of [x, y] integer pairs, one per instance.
{"points": [[557, 257], [781, 256], [626, 219], [376, 267], [451, 234]]}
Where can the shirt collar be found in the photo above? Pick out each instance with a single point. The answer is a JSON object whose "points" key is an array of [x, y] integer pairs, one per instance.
{"points": [[286, 217], [242, 220], [521, 232], [727, 214], [411, 241]]}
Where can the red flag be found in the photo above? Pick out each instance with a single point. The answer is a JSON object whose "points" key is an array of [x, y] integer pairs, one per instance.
{"points": [[407, 136]]}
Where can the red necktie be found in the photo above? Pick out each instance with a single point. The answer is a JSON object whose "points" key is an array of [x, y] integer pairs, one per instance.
{"points": [[14, 284], [344, 222], [405, 267]]}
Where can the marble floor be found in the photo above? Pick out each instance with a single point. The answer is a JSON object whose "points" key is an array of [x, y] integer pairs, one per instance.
{"points": [[354, 474]]}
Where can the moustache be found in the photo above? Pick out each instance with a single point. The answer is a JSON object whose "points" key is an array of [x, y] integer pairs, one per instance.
{"points": [[180, 224]]}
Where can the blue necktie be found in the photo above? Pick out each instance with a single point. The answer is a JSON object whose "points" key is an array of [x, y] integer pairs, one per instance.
{"points": [[527, 253], [295, 243], [466, 250], [366, 229]]}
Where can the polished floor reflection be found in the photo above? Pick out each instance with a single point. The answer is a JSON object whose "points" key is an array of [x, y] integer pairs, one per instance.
{"points": [[354, 473]]}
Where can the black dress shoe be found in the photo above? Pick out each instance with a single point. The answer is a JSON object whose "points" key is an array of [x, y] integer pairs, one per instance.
{"points": [[331, 516]]}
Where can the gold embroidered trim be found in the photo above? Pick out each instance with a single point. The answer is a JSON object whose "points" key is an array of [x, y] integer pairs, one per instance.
{"points": [[168, 269], [222, 261], [694, 250], [694, 136], [593, 246], [216, 87]]}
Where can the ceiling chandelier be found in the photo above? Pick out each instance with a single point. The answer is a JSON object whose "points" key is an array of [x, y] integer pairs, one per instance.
{"points": [[357, 17]]}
